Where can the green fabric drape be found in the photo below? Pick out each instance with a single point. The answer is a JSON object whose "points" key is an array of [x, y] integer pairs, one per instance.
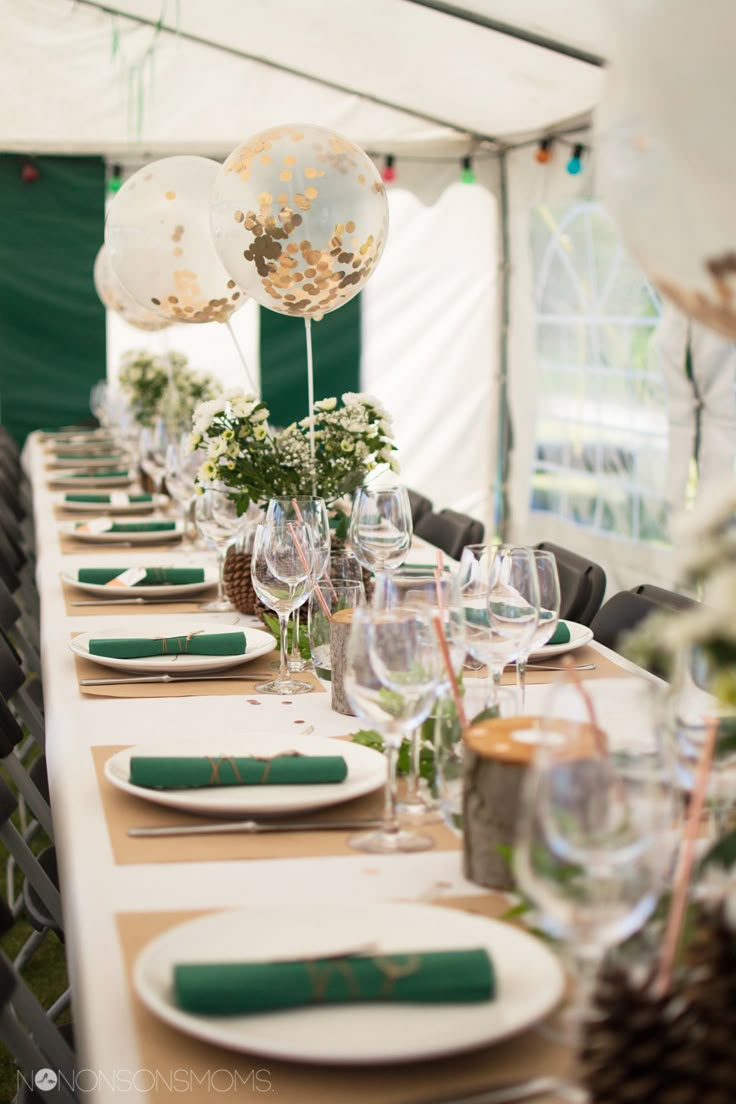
{"points": [[52, 325], [283, 354]]}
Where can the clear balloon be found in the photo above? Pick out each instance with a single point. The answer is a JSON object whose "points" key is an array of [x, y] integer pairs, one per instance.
{"points": [[114, 296], [299, 218], [158, 235], [666, 163]]}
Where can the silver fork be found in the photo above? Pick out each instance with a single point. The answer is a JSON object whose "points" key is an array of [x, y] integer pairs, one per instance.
{"points": [[520, 1090]]}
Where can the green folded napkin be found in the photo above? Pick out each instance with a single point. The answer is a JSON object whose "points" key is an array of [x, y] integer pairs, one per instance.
{"points": [[155, 576], [214, 644], [561, 635], [105, 498], [190, 772], [102, 458], [221, 989], [418, 569], [137, 526], [100, 474]]}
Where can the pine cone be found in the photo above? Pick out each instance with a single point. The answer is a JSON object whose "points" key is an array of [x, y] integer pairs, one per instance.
{"points": [[675, 1049], [238, 583]]}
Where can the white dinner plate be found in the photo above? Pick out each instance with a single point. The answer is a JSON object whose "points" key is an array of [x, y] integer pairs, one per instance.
{"points": [[158, 502], [110, 460], [257, 643], [65, 478], [366, 772], [528, 977], [579, 635], [154, 536], [165, 590]]}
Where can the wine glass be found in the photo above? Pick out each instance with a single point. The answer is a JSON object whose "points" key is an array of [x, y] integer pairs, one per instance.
{"points": [[549, 614], [478, 562], [216, 518], [391, 676], [595, 840], [282, 569], [152, 450], [311, 511], [380, 530], [430, 595]]}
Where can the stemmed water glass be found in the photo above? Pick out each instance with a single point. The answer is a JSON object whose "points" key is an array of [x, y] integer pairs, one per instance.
{"points": [[391, 676], [549, 614], [431, 596], [380, 527], [180, 473], [595, 843], [311, 511], [283, 570], [152, 446], [501, 599], [216, 518]]}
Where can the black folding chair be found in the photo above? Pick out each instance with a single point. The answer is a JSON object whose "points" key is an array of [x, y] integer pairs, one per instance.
{"points": [[582, 584], [420, 505], [450, 531]]}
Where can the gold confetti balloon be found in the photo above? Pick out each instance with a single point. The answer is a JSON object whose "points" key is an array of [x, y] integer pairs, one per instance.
{"points": [[665, 156], [299, 218], [114, 296], [158, 237]]}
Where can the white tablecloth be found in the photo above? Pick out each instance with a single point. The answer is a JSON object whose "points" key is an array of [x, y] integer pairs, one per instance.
{"points": [[95, 889]]}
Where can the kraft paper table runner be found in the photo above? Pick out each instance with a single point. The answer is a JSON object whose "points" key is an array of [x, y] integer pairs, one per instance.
{"points": [[123, 811], [192, 605], [163, 1050], [604, 668], [265, 666]]}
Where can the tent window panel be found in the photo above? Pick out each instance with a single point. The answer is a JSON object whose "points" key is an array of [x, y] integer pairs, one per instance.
{"points": [[601, 426]]}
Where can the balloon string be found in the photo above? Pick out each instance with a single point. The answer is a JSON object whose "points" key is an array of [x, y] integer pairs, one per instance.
{"points": [[310, 399], [243, 361]]}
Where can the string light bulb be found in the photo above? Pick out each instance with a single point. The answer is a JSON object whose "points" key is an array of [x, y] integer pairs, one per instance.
{"points": [[29, 171], [467, 174], [388, 172], [115, 181], [575, 164], [543, 152]]}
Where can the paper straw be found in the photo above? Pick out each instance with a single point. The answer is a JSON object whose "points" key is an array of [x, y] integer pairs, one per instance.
{"points": [[300, 519], [439, 630], [679, 897], [305, 562]]}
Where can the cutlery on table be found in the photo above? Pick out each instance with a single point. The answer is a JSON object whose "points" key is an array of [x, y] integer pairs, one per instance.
{"points": [[135, 602], [253, 827], [520, 1090], [552, 667], [132, 679]]}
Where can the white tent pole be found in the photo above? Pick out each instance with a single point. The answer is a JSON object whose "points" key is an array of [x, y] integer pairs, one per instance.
{"points": [[503, 446]]}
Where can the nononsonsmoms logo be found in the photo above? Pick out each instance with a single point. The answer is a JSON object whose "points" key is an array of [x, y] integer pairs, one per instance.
{"points": [[183, 1081]]}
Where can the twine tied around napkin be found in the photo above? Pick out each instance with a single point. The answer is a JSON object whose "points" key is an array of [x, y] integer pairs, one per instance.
{"points": [[290, 768]]}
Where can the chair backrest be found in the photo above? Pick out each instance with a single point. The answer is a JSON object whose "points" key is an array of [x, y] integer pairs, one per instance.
{"points": [[582, 584], [420, 505], [666, 599], [450, 531], [619, 615]]}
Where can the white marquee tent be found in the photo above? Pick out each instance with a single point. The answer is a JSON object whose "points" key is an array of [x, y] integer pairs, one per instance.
{"points": [[504, 325]]}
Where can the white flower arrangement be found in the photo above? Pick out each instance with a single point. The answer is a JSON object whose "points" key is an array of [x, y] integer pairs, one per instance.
{"points": [[163, 387], [257, 462]]}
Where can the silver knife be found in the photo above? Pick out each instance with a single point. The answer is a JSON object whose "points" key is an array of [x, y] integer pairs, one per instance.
{"points": [[131, 679], [135, 602], [252, 827]]}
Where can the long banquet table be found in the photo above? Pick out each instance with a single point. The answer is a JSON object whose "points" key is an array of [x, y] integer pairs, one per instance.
{"points": [[97, 890]]}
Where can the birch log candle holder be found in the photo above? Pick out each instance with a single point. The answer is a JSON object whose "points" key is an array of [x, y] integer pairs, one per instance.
{"points": [[340, 627], [495, 761], [497, 754]]}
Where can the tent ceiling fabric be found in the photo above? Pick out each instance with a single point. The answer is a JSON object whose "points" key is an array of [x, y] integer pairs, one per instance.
{"points": [[394, 76]]}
